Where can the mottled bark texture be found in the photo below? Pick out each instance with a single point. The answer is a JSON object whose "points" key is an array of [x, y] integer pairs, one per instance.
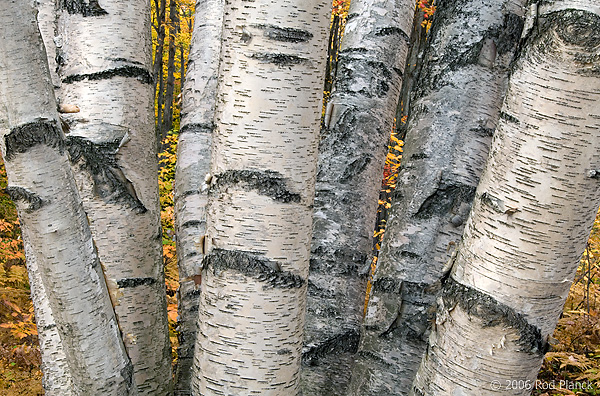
{"points": [[531, 217], [253, 289], [104, 57], [191, 182], [454, 110], [55, 229], [352, 150]]}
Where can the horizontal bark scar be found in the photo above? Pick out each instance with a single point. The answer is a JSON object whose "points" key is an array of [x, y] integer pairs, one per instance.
{"points": [[252, 265], [22, 194], [140, 73], [344, 342], [494, 313], [290, 35], [135, 282], [24, 137], [82, 7], [268, 183], [110, 182], [278, 58]]}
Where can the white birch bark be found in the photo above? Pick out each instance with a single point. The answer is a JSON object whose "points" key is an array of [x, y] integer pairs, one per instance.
{"points": [[259, 215], [52, 219], [193, 165], [104, 57], [532, 214], [454, 108], [56, 379], [352, 150]]}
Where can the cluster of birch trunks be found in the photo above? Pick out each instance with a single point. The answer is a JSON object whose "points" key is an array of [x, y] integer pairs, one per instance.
{"points": [[275, 204]]}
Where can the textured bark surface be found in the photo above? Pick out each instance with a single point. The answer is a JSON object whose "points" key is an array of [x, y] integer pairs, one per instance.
{"points": [[53, 223], [259, 224], [531, 217], [454, 109], [358, 122], [105, 69], [193, 166]]}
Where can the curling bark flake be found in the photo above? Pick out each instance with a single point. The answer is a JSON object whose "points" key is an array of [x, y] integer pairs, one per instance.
{"points": [[532, 214], [352, 150], [104, 57], [54, 226], [253, 288], [191, 182], [454, 110]]}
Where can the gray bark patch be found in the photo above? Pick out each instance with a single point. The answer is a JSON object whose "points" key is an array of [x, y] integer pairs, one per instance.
{"points": [[268, 183], [254, 266], [493, 313], [140, 73], [289, 35], [85, 8], [444, 199], [22, 138], [345, 342], [22, 194], [278, 58], [99, 160], [135, 282]]}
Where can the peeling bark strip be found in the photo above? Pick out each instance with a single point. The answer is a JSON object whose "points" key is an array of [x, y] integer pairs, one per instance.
{"points": [[143, 75], [289, 35], [346, 342], [268, 183], [22, 194], [252, 265], [22, 138], [99, 160], [83, 7], [494, 313]]}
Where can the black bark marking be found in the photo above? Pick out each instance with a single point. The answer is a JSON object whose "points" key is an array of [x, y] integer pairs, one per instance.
{"points": [[22, 194], [289, 35], [85, 8], [347, 261], [388, 31], [494, 313], [278, 58], [192, 223], [140, 73], [135, 282], [100, 161], [22, 138], [345, 342], [444, 199], [252, 265], [197, 128], [268, 183], [483, 131], [509, 118], [355, 168]]}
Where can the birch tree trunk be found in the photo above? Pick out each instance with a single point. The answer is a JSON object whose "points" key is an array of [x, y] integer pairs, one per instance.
{"points": [[352, 150], [56, 379], [253, 290], [454, 109], [53, 223], [193, 166], [105, 68], [532, 214]]}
